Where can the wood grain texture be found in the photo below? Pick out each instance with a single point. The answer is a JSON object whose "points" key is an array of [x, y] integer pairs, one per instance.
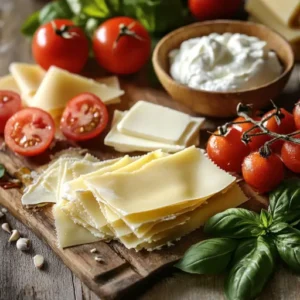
{"points": [[20, 280]]}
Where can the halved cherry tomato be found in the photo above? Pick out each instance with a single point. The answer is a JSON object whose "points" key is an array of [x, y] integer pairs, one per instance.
{"points": [[256, 141], [228, 152], [122, 45], [290, 154], [287, 125], [263, 174], [296, 114], [29, 132], [84, 118], [60, 43], [10, 103]]}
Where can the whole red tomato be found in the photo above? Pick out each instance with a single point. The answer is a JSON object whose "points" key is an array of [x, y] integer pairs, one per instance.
{"points": [[296, 114], [214, 9], [60, 43], [263, 173], [287, 125], [228, 152], [256, 141], [122, 45], [290, 154]]}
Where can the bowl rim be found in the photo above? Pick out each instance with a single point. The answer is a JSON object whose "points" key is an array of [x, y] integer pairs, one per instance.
{"points": [[287, 70]]}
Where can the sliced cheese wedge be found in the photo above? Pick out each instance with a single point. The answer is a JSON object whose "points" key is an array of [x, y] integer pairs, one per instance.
{"points": [[60, 86], [8, 83], [154, 122], [68, 233], [113, 82], [28, 78], [127, 143], [163, 188]]}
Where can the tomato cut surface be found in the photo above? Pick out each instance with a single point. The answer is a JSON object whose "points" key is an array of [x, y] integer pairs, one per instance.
{"points": [[10, 103], [84, 118], [29, 132]]}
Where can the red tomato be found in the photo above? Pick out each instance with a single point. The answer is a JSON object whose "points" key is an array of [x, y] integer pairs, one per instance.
{"points": [[263, 174], [214, 9], [60, 43], [122, 45], [290, 154], [287, 125], [10, 103], [84, 118], [256, 141], [228, 152], [296, 114], [29, 132]]}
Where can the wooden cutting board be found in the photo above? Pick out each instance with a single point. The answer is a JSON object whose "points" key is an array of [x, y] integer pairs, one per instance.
{"points": [[122, 269]]}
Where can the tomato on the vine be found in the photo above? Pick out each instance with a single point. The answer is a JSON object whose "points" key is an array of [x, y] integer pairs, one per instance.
{"points": [[290, 154], [213, 9], [296, 114], [287, 125], [84, 117], [256, 141], [29, 132], [228, 152], [263, 173], [10, 103], [122, 45], [62, 44]]}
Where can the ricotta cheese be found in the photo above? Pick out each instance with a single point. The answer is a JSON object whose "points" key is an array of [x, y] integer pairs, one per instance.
{"points": [[224, 62]]}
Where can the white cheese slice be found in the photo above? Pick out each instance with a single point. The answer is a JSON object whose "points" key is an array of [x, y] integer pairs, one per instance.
{"points": [[127, 143], [28, 78], [163, 187], [113, 82], [68, 233], [60, 86], [8, 83], [154, 122]]}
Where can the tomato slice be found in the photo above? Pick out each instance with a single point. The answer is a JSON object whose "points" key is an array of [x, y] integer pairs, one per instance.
{"points": [[29, 132], [84, 118], [10, 103]]}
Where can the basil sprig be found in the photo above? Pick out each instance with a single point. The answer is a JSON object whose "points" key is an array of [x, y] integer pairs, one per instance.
{"points": [[247, 244]]}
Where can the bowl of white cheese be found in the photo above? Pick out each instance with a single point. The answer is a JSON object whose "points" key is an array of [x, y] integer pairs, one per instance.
{"points": [[212, 66]]}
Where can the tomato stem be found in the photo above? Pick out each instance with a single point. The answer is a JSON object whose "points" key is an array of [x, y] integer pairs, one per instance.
{"points": [[64, 31], [245, 111]]}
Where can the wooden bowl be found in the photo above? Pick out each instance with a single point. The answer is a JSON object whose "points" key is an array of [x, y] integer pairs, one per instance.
{"points": [[222, 104]]}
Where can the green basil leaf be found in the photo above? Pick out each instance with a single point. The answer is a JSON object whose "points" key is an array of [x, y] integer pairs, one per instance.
{"points": [[235, 223], [208, 257], [156, 15], [285, 201], [288, 246], [55, 10], [31, 24], [96, 9], [265, 218], [2, 170], [249, 275], [244, 247], [278, 227], [75, 6]]}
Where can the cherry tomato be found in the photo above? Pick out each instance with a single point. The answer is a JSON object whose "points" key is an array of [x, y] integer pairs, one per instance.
{"points": [[213, 9], [290, 154], [287, 125], [122, 45], [60, 43], [263, 174], [228, 152], [296, 114], [29, 132], [256, 141], [10, 103], [84, 118]]}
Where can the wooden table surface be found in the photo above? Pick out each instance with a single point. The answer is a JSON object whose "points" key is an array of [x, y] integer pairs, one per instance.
{"points": [[18, 277]]}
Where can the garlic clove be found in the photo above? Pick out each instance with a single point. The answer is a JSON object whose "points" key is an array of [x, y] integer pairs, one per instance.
{"points": [[99, 259], [6, 227], [15, 235], [38, 261], [23, 244], [94, 250], [4, 210]]}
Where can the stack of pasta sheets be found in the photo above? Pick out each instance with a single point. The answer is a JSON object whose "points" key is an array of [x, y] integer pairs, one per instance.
{"points": [[145, 202]]}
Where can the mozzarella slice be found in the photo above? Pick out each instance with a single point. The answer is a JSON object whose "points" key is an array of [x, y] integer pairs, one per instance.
{"points": [[60, 86], [9, 83]]}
